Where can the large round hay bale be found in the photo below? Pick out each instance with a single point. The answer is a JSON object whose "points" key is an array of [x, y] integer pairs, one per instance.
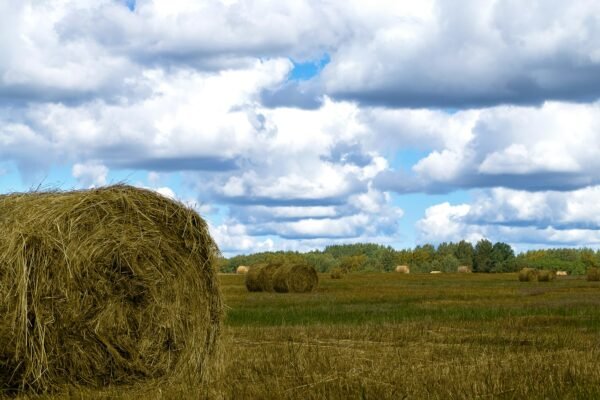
{"points": [[402, 269], [265, 276], [336, 273], [463, 269], [107, 286], [593, 274], [297, 278], [252, 283], [260, 277], [528, 275], [545, 275], [242, 270]]}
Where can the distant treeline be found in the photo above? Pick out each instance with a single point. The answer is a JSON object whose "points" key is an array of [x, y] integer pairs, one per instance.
{"points": [[485, 256]]}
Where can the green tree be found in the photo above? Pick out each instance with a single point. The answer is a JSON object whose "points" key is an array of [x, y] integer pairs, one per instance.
{"points": [[588, 258], [386, 258], [502, 257], [322, 262], [449, 263], [403, 257], [423, 255], [482, 256], [445, 248], [353, 263], [464, 253]]}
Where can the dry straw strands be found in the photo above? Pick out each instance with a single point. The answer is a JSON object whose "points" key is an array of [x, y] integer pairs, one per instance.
{"points": [[260, 277], [242, 269], [528, 275], [337, 273], [252, 282], [297, 278], [402, 269], [546, 275], [281, 278], [463, 269], [107, 286], [593, 274]]}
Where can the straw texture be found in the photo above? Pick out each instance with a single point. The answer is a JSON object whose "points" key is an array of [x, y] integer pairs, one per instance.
{"points": [[106, 286]]}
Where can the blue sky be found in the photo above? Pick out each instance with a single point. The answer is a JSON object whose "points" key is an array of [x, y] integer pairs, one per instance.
{"points": [[294, 125]]}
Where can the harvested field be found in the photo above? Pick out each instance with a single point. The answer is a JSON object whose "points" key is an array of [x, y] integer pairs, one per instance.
{"points": [[382, 336]]}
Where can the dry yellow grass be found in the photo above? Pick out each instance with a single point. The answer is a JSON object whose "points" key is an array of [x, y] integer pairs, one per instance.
{"points": [[528, 275], [393, 336], [259, 278], [297, 278], [402, 269], [593, 274], [107, 286], [242, 270], [336, 273], [546, 276]]}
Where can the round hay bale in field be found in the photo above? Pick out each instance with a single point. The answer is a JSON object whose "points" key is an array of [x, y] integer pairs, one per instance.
{"points": [[242, 270], [107, 286], [562, 273], [265, 276], [528, 275], [337, 273], [463, 269], [251, 281], [260, 277], [297, 278], [546, 275], [402, 269], [593, 274]]}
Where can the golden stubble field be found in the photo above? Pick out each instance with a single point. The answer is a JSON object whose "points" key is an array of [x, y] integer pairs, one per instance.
{"points": [[394, 336]]}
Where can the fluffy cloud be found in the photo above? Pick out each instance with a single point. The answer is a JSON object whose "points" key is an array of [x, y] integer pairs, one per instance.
{"points": [[305, 171], [205, 90], [230, 32], [552, 147], [518, 217], [90, 174], [367, 214], [38, 64], [471, 54], [191, 120], [233, 238], [431, 54], [561, 210], [75, 51], [445, 222]]}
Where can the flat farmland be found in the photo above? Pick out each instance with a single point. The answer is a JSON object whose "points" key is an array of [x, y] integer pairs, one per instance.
{"points": [[394, 336], [447, 336]]}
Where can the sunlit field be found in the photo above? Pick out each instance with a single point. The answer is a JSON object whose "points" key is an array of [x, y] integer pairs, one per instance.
{"points": [[394, 336], [372, 336]]}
